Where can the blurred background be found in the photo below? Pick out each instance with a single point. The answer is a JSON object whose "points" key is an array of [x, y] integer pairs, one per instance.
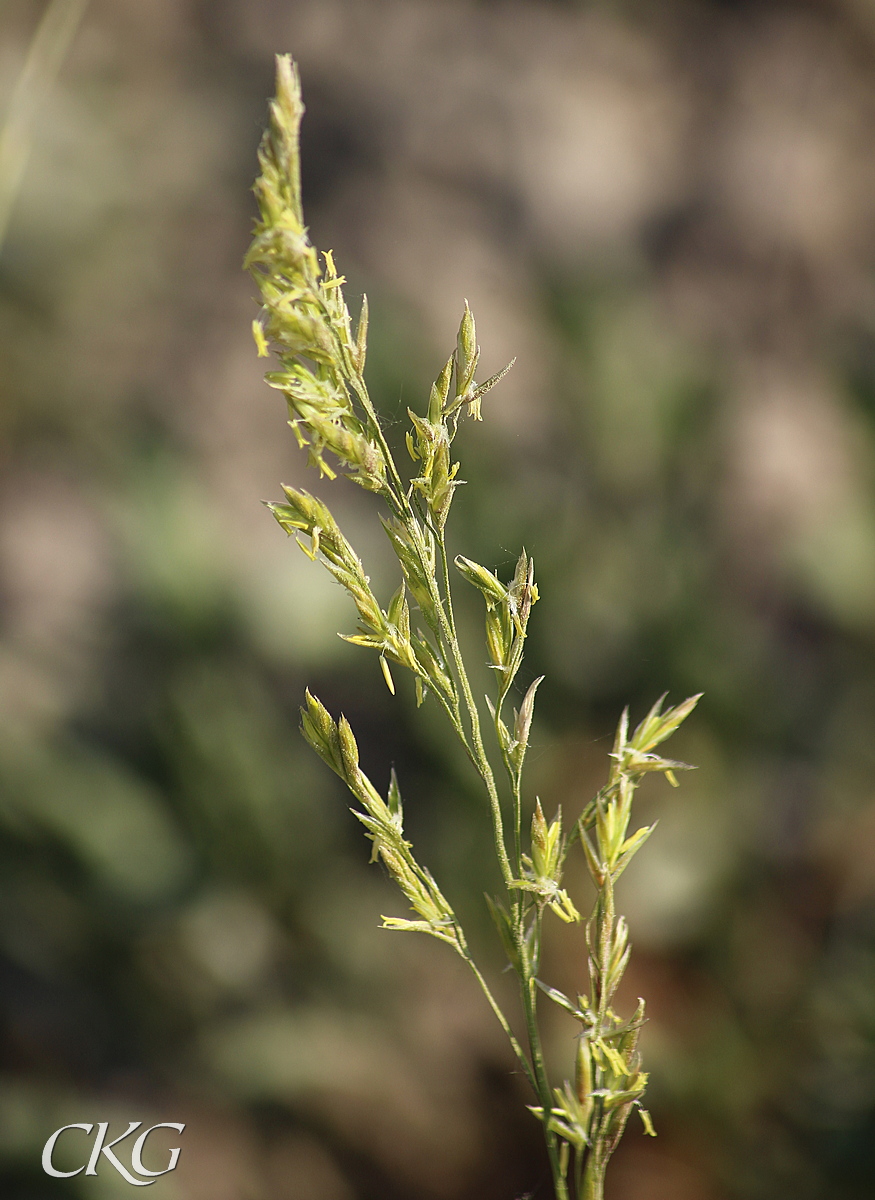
{"points": [[667, 213]]}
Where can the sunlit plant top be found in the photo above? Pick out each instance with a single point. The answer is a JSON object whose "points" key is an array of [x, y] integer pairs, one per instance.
{"points": [[321, 358]]}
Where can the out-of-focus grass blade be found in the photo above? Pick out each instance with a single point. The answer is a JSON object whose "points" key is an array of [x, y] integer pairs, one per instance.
{"points": [[44, 58]]}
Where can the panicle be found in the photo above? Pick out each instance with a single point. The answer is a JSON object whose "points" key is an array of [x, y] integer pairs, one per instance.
{"points": [[304, 316]]}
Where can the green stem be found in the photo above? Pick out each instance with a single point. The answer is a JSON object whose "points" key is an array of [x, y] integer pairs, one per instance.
{"points": [[453, 714], [542, 1085], [593, 1179], [605, 917], [528, 989], [493, 1004], [397, 487], [517, 822], [481, 761]]}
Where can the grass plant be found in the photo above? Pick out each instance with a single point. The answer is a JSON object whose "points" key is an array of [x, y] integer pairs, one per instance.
{"points": [[45, 56], [320, 364]]}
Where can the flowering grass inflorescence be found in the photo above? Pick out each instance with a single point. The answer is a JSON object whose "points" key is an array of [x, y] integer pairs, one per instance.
{"points": [[321, 361]]}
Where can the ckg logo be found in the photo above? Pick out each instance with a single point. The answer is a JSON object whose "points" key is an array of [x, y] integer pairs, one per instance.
{"points": [[102, 1147]]}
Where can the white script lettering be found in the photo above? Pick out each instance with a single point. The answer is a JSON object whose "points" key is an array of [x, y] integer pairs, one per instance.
{"points": [[49, 1147], [101, 1146]]}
